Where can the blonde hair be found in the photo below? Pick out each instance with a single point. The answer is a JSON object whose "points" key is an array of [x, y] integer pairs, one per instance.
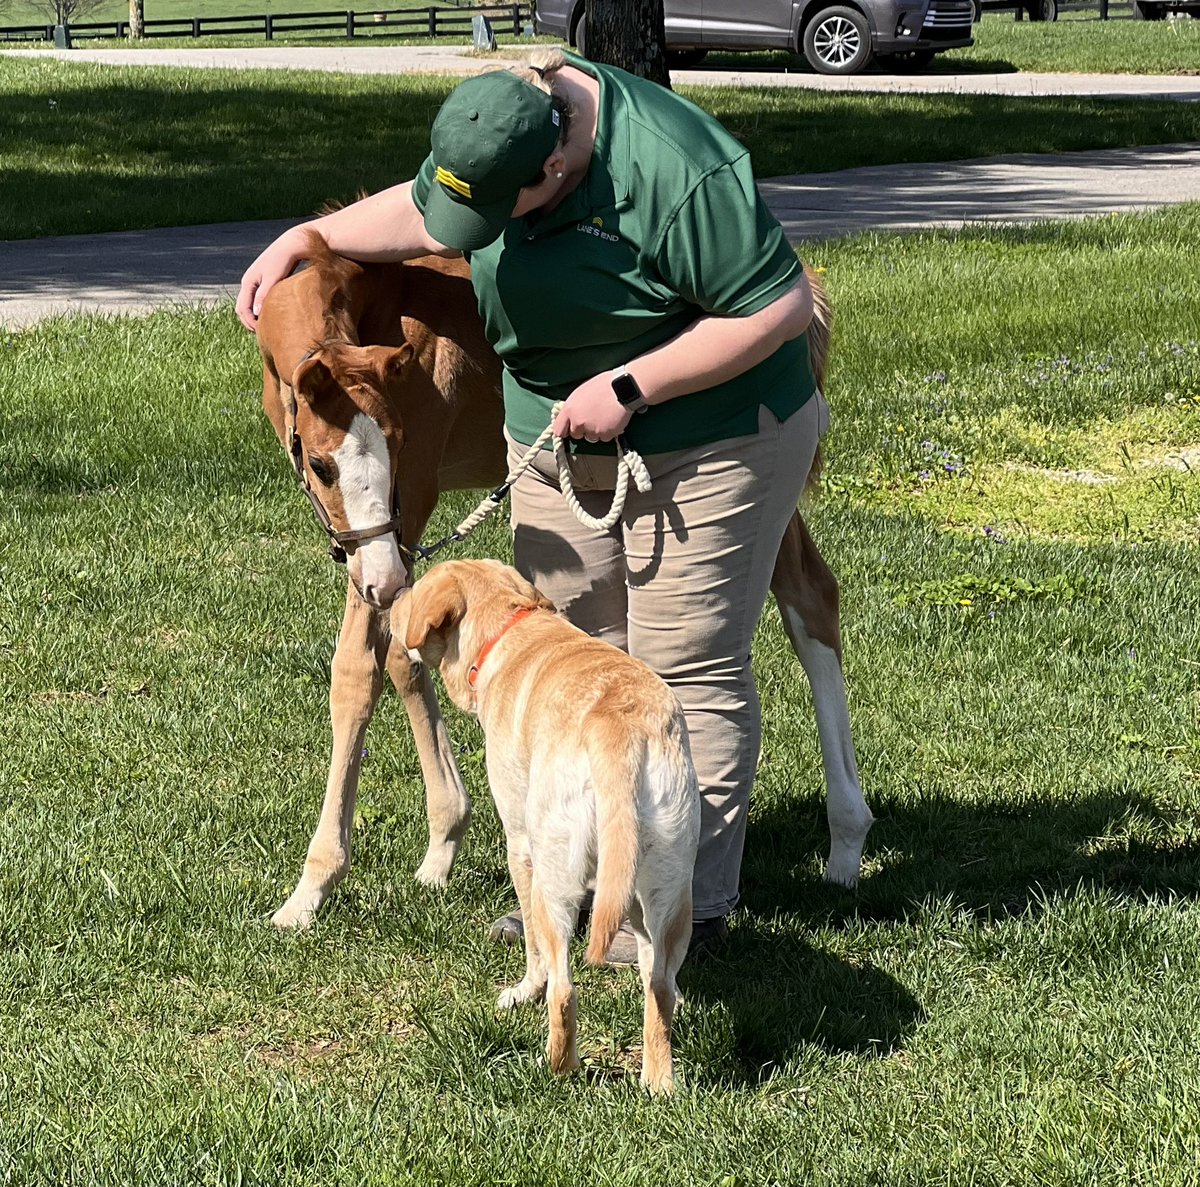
{"points": [[544, 63]]}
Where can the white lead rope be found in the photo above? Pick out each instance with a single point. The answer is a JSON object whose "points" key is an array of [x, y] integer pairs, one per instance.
{"points": [[629, 465]]}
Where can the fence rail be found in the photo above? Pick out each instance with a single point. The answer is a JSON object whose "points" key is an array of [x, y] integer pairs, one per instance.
{"points": [[422, 22]]}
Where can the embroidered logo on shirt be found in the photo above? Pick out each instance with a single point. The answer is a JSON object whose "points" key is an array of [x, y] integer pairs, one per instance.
{"points": [[452, 183], [596, 227]]}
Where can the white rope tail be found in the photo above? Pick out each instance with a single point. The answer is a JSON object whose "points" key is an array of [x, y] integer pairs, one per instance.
{"points": [[629, 465]]}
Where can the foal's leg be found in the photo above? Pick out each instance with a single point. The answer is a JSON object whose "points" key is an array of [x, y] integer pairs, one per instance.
{"points": [[356, 681], [446, 803], [807, 594]]}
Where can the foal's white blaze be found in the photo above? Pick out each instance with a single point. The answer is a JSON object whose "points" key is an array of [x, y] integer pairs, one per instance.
{"points": [[365, 482]]}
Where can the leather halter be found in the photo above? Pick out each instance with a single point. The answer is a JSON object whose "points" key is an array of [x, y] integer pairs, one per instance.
{"points": [[486, 649], [340, 540]]}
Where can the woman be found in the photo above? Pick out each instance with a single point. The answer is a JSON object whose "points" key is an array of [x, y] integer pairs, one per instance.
{"points": [[625, 264]]}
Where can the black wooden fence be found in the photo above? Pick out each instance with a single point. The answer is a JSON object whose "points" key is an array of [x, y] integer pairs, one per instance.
{"points": [[409, 22]]}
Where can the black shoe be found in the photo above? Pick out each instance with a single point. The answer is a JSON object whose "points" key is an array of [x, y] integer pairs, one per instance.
{"points": [[508, 929], [707, 936]]}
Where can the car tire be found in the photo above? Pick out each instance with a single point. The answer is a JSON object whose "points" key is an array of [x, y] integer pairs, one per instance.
{"points": [[838, 41], [1149, 12], [906, 60], [1042, 10], [685, 59], [579, 33]]}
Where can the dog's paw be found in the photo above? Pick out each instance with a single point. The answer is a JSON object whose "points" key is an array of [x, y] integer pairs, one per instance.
{"points": [[518, 995], [662, 1084]]}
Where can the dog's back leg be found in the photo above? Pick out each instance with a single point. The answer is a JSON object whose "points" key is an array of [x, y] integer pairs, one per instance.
{"points": [[661, 918], [355, 684], [554, 907], [806, 592]]}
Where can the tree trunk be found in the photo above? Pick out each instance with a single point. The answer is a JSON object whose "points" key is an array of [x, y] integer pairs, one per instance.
{"points": [[137, 19], [629, 34]]}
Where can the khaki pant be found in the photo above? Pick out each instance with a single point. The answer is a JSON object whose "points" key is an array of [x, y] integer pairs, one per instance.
{"points": [[680, 583]]}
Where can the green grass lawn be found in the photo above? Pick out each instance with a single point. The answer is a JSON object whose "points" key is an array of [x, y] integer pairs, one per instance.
{"points": [[1009, 998], [95, 148]]}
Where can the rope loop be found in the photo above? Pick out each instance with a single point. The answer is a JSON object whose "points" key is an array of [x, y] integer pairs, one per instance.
{"points": [[629, 466]]}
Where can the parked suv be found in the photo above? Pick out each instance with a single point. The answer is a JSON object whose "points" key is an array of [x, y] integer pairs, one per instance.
{"points": [[836, 36]]}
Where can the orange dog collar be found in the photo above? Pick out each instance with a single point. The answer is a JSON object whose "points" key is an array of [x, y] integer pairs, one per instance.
{"points": [[473, 673]]}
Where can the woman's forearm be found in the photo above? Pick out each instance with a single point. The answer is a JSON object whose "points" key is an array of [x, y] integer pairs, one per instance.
{"points": [[716, 349], [384, 227]]}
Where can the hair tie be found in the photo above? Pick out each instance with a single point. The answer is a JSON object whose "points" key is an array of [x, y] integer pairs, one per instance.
{"points": [[539, 71]]}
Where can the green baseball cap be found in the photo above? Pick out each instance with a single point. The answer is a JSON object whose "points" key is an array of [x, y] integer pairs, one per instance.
{"points": [[489, 139]]}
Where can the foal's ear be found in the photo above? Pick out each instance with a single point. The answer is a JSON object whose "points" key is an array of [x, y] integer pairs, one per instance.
{"points": [[436, 604], [312, 379], [390, 363]]}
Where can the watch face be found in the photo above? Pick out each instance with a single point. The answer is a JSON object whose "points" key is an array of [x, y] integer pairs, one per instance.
{"points": [[626, 389]]}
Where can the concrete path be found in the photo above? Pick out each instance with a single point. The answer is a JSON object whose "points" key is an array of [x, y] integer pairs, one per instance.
{"points": [[136, 271], [452, 59]]}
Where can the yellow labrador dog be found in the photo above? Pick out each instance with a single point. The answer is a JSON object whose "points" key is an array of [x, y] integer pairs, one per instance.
{"points": [[589, 764]]}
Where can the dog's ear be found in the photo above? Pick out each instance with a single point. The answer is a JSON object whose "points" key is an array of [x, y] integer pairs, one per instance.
{"points": [[437, 603], [544, 603], [312, 379]]}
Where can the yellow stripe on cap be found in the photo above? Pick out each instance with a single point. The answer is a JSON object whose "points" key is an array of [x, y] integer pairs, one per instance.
{"points": [[452, 183]]}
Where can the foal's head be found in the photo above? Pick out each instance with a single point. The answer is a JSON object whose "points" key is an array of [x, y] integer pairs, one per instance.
{"points": [[349, 451]]}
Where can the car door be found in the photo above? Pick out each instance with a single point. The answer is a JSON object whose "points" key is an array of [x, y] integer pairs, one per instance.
{"points": [[748, 24], [683, 21]]}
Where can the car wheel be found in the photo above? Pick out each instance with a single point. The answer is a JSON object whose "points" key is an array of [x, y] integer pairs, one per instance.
{"points": [[685, 59], [1042, 10], [1149, 12], [579, 34], [838, 41], [906, 60]]}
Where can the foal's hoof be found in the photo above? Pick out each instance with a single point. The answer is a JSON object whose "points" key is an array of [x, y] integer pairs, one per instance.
{"points": [[297, 914]]}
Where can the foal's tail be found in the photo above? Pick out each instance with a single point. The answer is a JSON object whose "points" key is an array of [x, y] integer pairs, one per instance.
{"points": [[820, 331], [617, 762]]}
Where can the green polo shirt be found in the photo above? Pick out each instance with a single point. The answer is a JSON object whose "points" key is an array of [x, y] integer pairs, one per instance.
{"points": [[666, 227]]}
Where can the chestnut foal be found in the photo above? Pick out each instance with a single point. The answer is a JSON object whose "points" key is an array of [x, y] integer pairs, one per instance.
{"points": [[381, 386]]}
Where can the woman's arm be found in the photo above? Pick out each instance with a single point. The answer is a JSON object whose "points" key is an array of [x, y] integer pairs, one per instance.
{"points": [[711, 350], [384, 227]]}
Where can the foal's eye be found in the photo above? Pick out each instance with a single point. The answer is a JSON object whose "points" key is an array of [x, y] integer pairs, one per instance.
{"points": [[322, 471]]}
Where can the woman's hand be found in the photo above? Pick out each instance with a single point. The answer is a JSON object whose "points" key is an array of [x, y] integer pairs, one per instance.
{"points": [[276, 262], [593, 412]]}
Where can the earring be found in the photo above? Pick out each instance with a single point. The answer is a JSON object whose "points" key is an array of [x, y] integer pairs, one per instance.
{"points": [[559, 176]]}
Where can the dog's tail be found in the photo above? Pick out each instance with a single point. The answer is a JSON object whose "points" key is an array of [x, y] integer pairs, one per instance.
{"points": [[617, 761]]}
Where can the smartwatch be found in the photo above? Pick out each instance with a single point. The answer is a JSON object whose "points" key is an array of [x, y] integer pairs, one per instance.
{"points": [[628, 394]]}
